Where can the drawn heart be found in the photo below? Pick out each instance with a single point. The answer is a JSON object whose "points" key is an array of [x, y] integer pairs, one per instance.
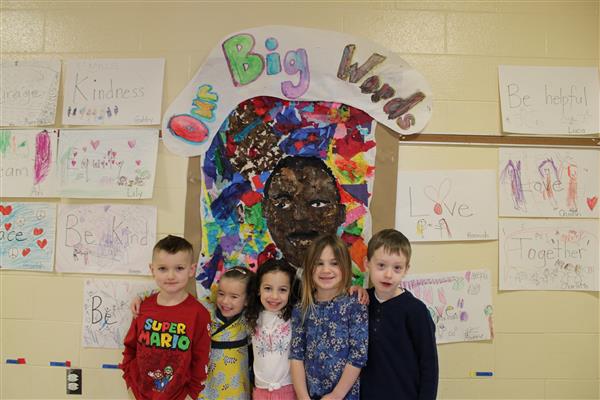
{"points": [[73, 162], [114, 153], [74, 154], [95, 143], [42, 243], [591, 202], [131, 143], [138, 162], [5, 210], [7, 226], [26, 251], [38, 231]]}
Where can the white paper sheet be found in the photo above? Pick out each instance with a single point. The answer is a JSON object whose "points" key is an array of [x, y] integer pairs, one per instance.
{"points": [[28, 92], [460, 303], [113, 91], [548, 254], [548, 182], [105, 239], [28, 163], [549, 100], [116, 164], [447, 205]]}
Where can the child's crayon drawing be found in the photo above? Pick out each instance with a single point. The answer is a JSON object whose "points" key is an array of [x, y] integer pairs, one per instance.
{"points": [[105, 239], [105, 164], [460, 303], [106, 313], [548, 254], [447, 205], [27, 235], [28, 163], [548, 183]]}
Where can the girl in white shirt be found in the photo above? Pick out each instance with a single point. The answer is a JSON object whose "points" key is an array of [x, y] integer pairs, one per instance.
{"points": [[269, 316]]}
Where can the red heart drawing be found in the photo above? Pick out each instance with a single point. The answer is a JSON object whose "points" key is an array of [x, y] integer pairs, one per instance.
{"points": [[138, 162], [5, 210], [95, 143], [73, 162], [38, 231], [131, 143], [42, 243], [26, 251], [7, 226], [591, 202]]}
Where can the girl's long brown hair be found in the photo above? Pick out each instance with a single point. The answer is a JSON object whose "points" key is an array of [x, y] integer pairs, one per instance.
{"points": [[313, 254]]}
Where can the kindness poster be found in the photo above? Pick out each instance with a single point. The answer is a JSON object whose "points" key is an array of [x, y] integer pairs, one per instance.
{"points": [[27, 236], [105, 238], [28, 163], [115, 164], [447, 205], [28, 92], [460, 303], [106, 310], [113, 91], [548, 182], [548, 254]]}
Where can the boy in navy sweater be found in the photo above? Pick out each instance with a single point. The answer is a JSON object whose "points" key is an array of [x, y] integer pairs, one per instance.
{"points": [[402, 362]]}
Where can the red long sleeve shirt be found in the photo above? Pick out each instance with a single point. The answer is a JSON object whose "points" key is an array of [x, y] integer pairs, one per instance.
{"points": [[167, 350]]}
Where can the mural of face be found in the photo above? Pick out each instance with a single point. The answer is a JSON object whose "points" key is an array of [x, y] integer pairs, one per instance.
{"points": [[301, 202]]}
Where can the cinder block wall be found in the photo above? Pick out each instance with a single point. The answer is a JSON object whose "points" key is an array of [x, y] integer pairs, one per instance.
{"points": [[546, 343]]}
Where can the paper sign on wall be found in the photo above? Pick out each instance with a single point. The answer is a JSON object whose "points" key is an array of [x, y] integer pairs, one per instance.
{"points": [[27, 235], [447, 205], [460, 303], [113, 91], [106, 313], [548, 254], [548, 182], [549, 100], [105, 239], [117, 164], [28, 92], [28, 163]]}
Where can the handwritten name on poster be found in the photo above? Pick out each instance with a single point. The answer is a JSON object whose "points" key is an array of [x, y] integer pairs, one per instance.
{"points": [[118, 164], [113, 91], [106, 313], [548, 254], [548, 182], [27, 236], [28, 92], [447, 205], [28, 163], [460, 303], [549, 100], [105, 239]]}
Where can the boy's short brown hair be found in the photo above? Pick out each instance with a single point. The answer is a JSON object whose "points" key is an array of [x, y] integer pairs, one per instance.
{"points": [[392, 241], [172, 245]]}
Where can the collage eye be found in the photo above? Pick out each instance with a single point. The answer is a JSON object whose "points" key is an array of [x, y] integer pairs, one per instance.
{"points": [[318, 203]]}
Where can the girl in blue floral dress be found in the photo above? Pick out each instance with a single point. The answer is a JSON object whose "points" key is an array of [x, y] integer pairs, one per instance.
{"points": [[329, 327]]}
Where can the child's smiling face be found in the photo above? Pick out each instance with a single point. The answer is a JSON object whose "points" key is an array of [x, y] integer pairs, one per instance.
{"points": [[275, 290], [231, 297]]}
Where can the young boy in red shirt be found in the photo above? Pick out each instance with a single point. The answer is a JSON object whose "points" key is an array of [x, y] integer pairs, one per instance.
{"points": [[167, 346]]}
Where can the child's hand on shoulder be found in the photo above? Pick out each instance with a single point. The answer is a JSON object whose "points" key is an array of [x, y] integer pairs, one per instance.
{"points": [[135, 306], [361, 293]]}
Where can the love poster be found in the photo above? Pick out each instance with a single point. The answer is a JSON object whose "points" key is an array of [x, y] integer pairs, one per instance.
{"points": [[549, 100], [106, 313], [295, 64], [28, 163], [116, 164], [105, 238], [28, 92], [447, 205], [27, 236], [548, 254], [460, 303], [113, 91], [548, 182]]}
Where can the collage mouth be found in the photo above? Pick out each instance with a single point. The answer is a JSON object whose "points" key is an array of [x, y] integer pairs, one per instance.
{"points": [[302, 239]]}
